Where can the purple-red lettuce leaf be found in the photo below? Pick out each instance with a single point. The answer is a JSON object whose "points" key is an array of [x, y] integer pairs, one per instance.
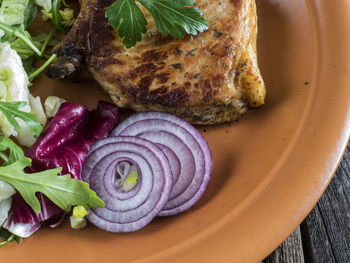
{"points": [[64, 143]]}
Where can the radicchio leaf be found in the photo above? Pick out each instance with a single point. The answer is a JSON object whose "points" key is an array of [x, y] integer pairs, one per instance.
{"points": [[64, 143]]}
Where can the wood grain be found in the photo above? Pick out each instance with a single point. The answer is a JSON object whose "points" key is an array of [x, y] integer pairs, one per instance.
{"points": [[290, 251], [326, 231]]}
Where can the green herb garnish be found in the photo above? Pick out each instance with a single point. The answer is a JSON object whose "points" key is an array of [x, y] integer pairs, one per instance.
{"points": [[174, 17]]}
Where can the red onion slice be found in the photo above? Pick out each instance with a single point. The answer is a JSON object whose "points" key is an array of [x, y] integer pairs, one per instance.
{"points": [[127, 211], [174, 162], [187, 144]]}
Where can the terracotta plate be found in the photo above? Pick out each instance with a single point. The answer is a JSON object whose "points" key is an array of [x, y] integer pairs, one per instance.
{"points": [[270, 168]]}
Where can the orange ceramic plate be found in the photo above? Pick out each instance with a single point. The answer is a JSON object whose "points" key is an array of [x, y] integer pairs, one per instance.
{"points": [[269, 169]]}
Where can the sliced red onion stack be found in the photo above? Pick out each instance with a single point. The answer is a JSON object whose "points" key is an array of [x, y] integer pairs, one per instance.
{"points": [[127, 208], [175, 137], [153, 164]]}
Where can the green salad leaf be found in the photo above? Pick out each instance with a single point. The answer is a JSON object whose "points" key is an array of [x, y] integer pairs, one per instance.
{"points": [[12, 11], [8, 237], [57, 16], [19, 15], [29, 13], [11, 110], [64, 191], [22, 48], [28, 65], [20, 32], [174, 17], [15, 152], [42, 38]]}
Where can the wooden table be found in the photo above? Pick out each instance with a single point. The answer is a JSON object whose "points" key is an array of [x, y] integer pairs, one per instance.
{"points": [[324, 236]]}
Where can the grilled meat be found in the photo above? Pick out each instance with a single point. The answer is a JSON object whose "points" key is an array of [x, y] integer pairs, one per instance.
{"points": [[209, 78]]}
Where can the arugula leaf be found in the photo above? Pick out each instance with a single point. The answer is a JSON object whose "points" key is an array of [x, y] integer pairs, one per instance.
{"points": [[6, 36], [64, 191], [56, 16], [127, 18], [5, 234], [20, 33], [174, 17], [16, 152], [28, 65], [43, 37], [43, 66], [11, 110], [8, 237], [40, 41], [29, 13], [22, 49]]}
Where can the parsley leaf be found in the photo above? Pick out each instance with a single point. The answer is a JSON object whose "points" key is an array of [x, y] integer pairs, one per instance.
{"points": [[64, 191], [174, 17], [11, 111], [127, 18]]}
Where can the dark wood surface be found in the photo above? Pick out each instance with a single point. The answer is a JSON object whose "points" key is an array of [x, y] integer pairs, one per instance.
{"points": [[324, 236]]}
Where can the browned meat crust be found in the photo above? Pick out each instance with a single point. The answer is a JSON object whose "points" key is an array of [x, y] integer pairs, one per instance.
{"points": [[206, 79]]}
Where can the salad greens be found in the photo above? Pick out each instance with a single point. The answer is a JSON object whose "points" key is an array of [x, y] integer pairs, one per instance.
{"points": [[42, 67], [64, 191], [13, 87], [45, 4], [12, 33], [64, 143], [29, 13], [174, 17], [18, 50], [56, 16], [13, 30], [18, 114], [11, 110], [15, 152], [8, 237], [62, 20], [15, 12]]}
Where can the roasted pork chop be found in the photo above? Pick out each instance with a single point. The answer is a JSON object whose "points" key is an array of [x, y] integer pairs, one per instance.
{"points": [[209, 78]]}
